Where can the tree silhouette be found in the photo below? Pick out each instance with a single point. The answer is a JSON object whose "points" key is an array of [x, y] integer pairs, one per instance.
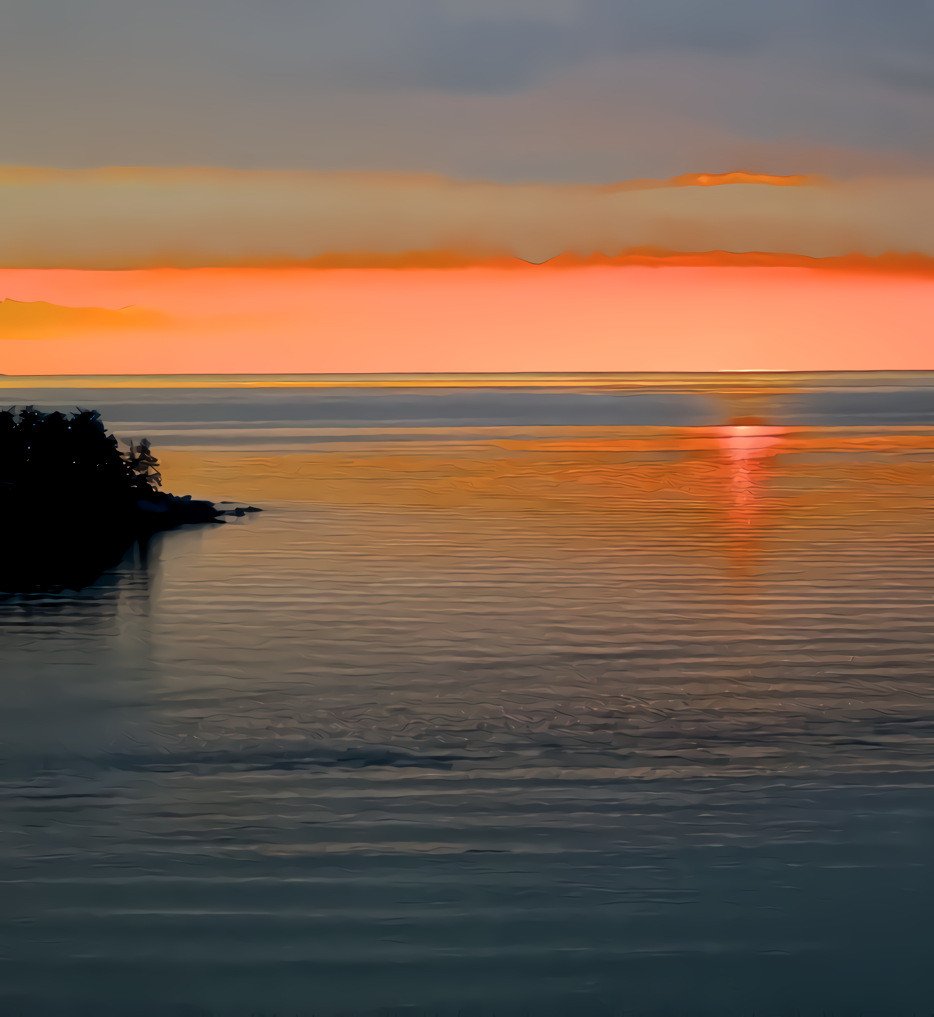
{"points": [[49, 454], [72, 502], [144, 467]]}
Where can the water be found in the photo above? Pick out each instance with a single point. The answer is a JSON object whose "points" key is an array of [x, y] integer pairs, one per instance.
{"points": [[578, 700]]}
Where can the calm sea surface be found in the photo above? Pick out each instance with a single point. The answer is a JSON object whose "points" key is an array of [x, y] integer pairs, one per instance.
{"points": [[599, 699]]}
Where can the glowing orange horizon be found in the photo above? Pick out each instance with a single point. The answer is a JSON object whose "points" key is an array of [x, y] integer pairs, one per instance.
{"points": [[588, 318]]}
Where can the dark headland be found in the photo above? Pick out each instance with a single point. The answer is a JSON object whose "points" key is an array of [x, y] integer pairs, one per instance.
{"points": [[72, 502]]}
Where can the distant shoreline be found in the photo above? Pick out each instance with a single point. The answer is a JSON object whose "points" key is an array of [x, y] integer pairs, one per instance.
{"points": [[720, 379]]}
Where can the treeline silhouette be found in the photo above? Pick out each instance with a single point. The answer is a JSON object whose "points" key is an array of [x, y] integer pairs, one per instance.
{"points": [[72, 501], [51, 455]]}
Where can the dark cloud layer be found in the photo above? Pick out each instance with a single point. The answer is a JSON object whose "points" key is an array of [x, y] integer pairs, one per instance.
{"points": [[505, 89]]}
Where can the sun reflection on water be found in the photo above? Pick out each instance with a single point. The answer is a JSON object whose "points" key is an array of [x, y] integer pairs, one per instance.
{"points": [[747, 447]]}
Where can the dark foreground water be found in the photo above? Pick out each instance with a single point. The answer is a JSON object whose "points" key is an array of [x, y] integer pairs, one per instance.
{"points": [[581, 701]]}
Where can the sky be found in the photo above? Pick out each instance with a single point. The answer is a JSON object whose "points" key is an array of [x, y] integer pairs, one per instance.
{"points": [[346, 185]]}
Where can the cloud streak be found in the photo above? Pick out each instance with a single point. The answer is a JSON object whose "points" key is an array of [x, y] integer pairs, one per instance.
{"points": [[38, 319]]}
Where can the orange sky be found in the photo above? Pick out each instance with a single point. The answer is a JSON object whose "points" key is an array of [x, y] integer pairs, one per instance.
{"points": [[539, 318], [109, 271]]}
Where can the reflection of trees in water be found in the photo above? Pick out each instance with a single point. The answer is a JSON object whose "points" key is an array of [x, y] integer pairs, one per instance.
{"points": [[61, 560], [76, 665], [109, 589]]}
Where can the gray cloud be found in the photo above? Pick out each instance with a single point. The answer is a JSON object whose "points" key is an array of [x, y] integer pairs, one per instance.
{"points": [[547, 89]]}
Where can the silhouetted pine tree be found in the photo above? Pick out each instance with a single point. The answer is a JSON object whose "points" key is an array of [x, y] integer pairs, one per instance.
{"points": [[143, 467]]}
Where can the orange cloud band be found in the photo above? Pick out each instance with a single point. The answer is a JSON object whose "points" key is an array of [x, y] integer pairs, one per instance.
{"points": [[150, 217]]}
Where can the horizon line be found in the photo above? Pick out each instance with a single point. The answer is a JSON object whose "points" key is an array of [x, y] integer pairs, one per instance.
{"points": [[436, 379]]}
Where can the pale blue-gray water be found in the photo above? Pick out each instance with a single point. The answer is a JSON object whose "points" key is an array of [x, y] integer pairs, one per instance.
{"points": [[575, 701]]}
